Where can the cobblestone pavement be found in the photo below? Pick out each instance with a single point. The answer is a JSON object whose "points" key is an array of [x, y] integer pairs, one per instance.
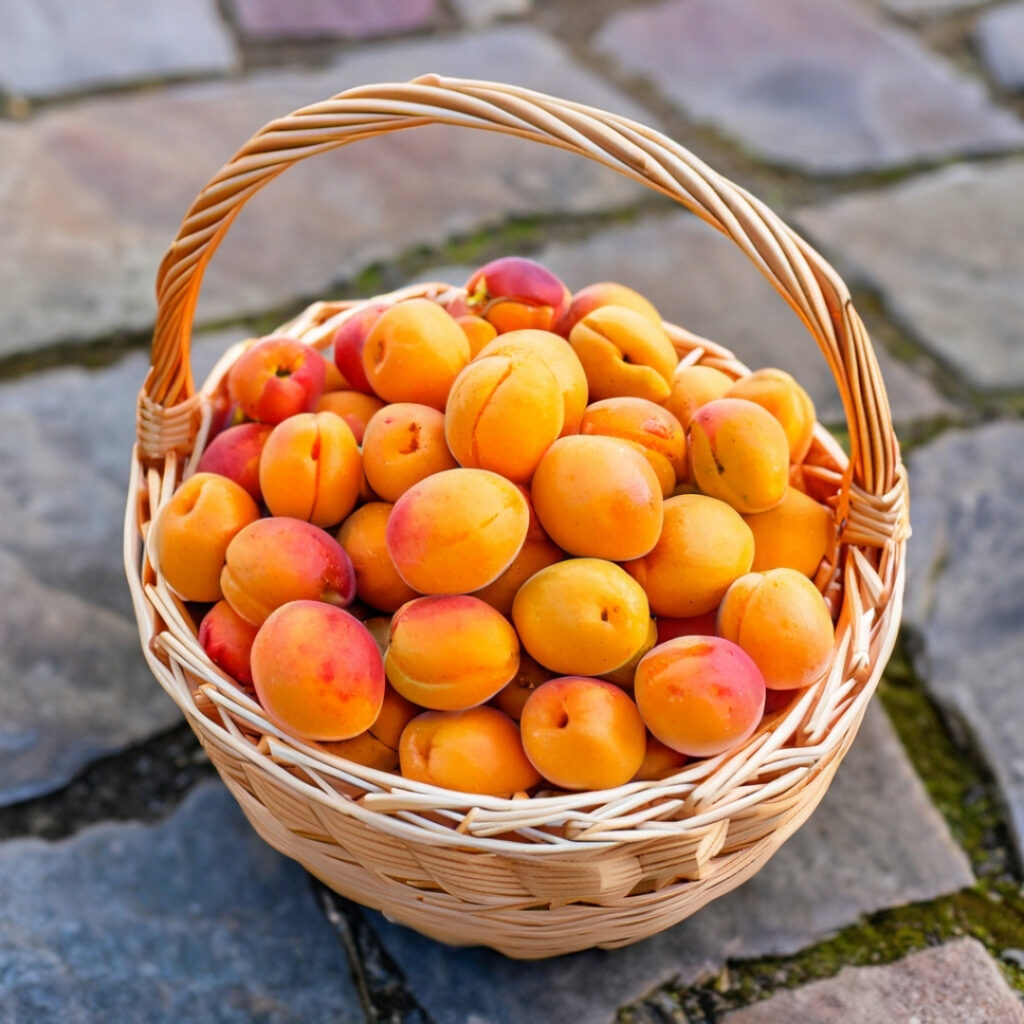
{"points": [[889, 132]]}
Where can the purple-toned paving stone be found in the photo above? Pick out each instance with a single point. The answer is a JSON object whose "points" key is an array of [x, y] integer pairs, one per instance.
{"points": [[346, 19]]}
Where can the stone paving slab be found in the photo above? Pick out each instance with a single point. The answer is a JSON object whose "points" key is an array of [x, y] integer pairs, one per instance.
{"points": [[855, 855], [999, 35], [824, 86], [191, 919], [929, 8], [317, 19], [49, 47], [477, 13], [965, 590], [90, 199], [946, 254], [958, 983]]}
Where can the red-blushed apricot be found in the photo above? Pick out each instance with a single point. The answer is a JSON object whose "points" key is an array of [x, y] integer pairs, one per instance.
{"points": [[348, 343], [694, 625], [478, 331], [403, 444], [515, 293], [354, 407], [699, 695], [363, 535], [277, 378], [781, 620], [583, 616], [378, 746], [624, 352], [582, 733], [642, 421], [779, 393], [659, 761], [450, 652], [235, 453], [227, 639], [739, 453], [515, 693], [456, 531], [604, 293], [533, 556], [317, 671], [598, 496], [704, 546], [414, 352], [623, 675], [503, 413], [557, 354], [273, 561], [192, 532], [477, 750], [793, 535], [694, 386], [311, 469]]}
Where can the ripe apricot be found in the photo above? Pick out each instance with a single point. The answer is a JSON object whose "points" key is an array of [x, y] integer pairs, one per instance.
{"points": [[276, 378], [414, 352], [192, 532], [642, 421], [450, 652], [478, 331], [793, 535], [598, 496], [780, 393], [503, 413], [363, 535], [624, 352], [311, 469], [348, 344], [781, 620], [739, 453], [582, 733], [533, 556], [227, 639], [699, 695], [583, 616], [317, 671], [514, 293], [478, 750], [235, 453], [623, 675], [404, 443], [456, 531], [515, 693], [377, 747], [354, 407], [694, 386], [694, 625], [659, 761], [704, 546], [604, 293]]}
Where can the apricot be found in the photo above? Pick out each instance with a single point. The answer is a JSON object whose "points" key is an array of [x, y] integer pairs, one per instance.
{"points": [[694, 625], [403, 444], [583, 616], [640, 420], [704, 546], [456, 531], [363, 535], [273, 561], [503, 413], [414, 352], [694, 386], [377, 747], [478, 331], [450, 652], [354, 407], [793, 535], [235, 453], [624, 352], [598, 496], [515, 693], [533, 556], [380, 629], [557, 354], [477, 750], [317, 671], [276, 378], [333, 378], [699, 695], [779, 393], [659, 761], [739, 453], [514, 293], [624, 674], [604, 293], [781, 620], [582, 733], [192, 532], [348, 344], [311, 469], [227, 639]]}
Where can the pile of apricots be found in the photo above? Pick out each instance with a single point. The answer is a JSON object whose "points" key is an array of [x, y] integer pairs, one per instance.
{"points": [[506, 543]]}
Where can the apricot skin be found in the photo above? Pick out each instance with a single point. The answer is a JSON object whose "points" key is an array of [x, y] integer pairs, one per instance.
{"points": [[227, 639], [276, 378], [235, 453], [781, 395], [363, 535], [694, 386], [377, 747], [354, 407], [793, 535], [533, 556], [604, 293], [642, 421], [404, 443]]}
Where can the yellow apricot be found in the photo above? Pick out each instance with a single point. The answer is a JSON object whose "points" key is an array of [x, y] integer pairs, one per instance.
{"points": [[793, 535], [779, 393]]}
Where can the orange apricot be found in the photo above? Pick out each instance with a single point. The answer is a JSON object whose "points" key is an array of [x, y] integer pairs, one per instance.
{"points": [[478, 331], [514, 694], [276, 378], [623, 676], [694, 386], [659, 761], [793, 535], [377, 747], [694, 625], [354, 407], [514, 292], [363, 535], [642, 421], [780, 393], [533, 556], [604, 293]]}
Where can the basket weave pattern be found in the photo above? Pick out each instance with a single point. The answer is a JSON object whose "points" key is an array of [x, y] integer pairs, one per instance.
{"points": [[557, 872]]}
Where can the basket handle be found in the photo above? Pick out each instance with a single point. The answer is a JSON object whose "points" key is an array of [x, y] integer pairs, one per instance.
{"points": [[168, 404]]}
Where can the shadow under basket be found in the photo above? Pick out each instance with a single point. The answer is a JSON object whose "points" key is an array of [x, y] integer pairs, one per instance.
{"points": [[552, 874]]}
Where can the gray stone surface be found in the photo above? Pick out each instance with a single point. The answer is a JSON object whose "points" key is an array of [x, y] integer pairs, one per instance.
{"points": [[102, 174], [958, 983], [48, 47], [316, 19], [946, 253], [825, 86], [965, 590], [193, 919], [702, 281], [477, 13], [855, 855], [929, 8], [999, 35]]}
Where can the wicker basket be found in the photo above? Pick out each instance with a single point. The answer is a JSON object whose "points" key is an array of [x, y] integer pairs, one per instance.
{"points": [[561, 872]]}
